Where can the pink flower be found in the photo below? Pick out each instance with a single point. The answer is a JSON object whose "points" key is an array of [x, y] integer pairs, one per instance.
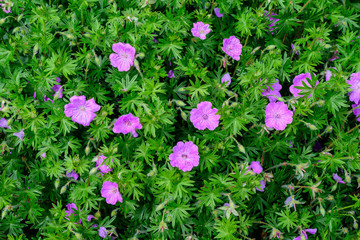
{"points": [[272, 20], [102, 232], [6, 7], [355, 85], [70, 211], [356, 111], [124, 56], [262, 186], [48, 99], [226, 78], [110, 191], [200, 30], [102, 167], [127, 124], [80, 110], [277, 115], [328, 74], [204, 116], [72, 174], [334, 57], [3, 123], [217, 12], [299, 82], [20, 134], [232, 47], [58, 89], [256, 167], [272, 94], [43, 155], [185, 156], [337, 178], [171, 74], [303, 233]]}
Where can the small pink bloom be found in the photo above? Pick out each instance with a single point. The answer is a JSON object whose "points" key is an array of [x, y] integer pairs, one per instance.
{"points": [[80, 110], [278, 116], [232, 47], [204, 116], [200, 30], [127, 124], [217, 12], [110, 191], [226, 79], [185, 156], [124, 56]]}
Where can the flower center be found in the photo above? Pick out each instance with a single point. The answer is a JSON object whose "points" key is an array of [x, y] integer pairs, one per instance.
{"points": [[184, 156], [114, 190], [229, 48], [128, 123], [125, 56], [277, 116], [205, 116], [201, 31], [82, 108]]}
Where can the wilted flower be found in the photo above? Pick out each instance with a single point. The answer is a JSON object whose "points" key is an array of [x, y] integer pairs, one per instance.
{"points": [[278, 116], [294, 48], [110, 191], [58, 89], [124, 56], [3, 123], [226, 79], [299, 81], [89, 218], [204, 116], [185, 156], [337, 178], [255, 166], [272, 94], [102, 232], [70, 210], [275, 233], [303, 233], [355, 85], [127, 124], [217, 12], [102, 167], [80, 110], [6, 6], [200, 30], [48, 99], [334, 57], [20, 134], [262, 186], [72, 174], [232, 47], [171, 74]]}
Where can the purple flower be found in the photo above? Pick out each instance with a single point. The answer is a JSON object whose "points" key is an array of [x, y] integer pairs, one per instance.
{"points": [[110, 191], [299, 81], [226, 78], [232, 47], [171, 74], [217, 12], [102, 232], [185, 156], [124, 56], [3, 123], [127, 124], [277, 115], [155, 41], [200, 30], [204, 116], [89, 218], [80, 110], [70, 210], [272, 94], [328, 74], [355, 85], [72, 174], [303, 233], [262, 187], [356, 111], [226, 204], [337, 178], [20, 134], [271, 19], [294, 48], [256, 167], [58, 89], [34, 94], [102, 167], [48, 99], [6, 7], [43, 155]]}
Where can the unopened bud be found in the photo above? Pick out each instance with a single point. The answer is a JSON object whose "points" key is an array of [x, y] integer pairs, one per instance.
{"points": [[241, 148], [356, 225], [78, 236], [168, 218], [15, 30], [113, 212], [57, 183], [93, 171], [183, 115], [311, 126], [161, 206], [19, 17], [270, 47], [6, 109], [88, 35], [328, 129], [322, 210], [141, 55], [321, 103], [151, 173], [136, 64], [334, 187], [179, 103], [97, 215], [2, 20], [63, 189], [255, 50], [69, 36], [330, 198], [97, 61], [182, 89], [347, 177], [87, 150], [358, 181]]}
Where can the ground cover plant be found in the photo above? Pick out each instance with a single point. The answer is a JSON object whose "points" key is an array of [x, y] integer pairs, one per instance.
{"points": [[179, 119]]}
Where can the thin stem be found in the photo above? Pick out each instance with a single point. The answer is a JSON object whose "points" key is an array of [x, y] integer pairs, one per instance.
{"points": [[305, 5]]}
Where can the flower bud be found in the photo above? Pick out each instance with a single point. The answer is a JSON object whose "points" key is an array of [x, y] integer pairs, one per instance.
{"points": [[182, 89], [15, 30], [334, 187], [241, 148], [345, 230], [87, 150], [2, 20], [93, 170], [356, 225], [179, 103], [270, 47], [97, 215], [330, 198], [311, 126], [255, 50], [141, 55], [347, 177], [358, 181], [322, 210], [6, 109], [97, 61], [113, 212], [183, 115], [63, 189], [320, 103], [328, 129], [19, 17], [57, 183], [78, 236], [136, 64]]}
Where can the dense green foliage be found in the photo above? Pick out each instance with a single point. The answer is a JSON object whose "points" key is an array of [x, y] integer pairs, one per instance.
{"points": [[41, 40]]}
